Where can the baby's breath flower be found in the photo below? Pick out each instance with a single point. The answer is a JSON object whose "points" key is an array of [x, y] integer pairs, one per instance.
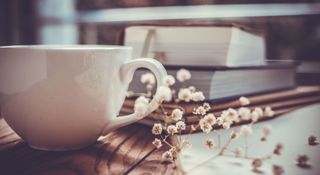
{"points": [[192, 128], [302, 160], [157, 143], [163, 94], [277, 170], [167, 156], [184, 94], [278, 149], [219, 121], [200, 111], [177, 114], [183, 75], [244, 101], [268, 111], [185, 143], [147, 78], [226, 125], [259, 111], [140, 108], [180, 125], [238, 152], [142, 99], [266, 130], [244, 113], [210, 119], [234, 135], [173, 151], [313, 140], [205, 126], [210, 143], [172, 129], [157, 129], [169, 80], [206, 106], [256, 164], [254, 116], [197, 96], [192, 88], [245, 130], [231, 114]]}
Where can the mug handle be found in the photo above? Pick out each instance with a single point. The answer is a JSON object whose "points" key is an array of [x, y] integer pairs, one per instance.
{"points": [[126, 73]]}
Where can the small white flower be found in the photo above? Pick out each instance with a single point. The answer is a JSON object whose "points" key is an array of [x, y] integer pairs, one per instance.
{"points": [[245, 130], [226, 125], [169, 80], [176, 114], [238, 152], [183, 75], [185, 144], [200, 110], [140, 108], [192, 88], [142, 99], [157, 129], [254, 116], [209, 143], [259, 111], [268, 111], [197, 96], [244, 113], [219, 121], [244, 101], [266, 130], [172, 129], [147, 78], [231, 114], [167, 156], [184, 94], [157, 143], [173, 151], [210, 119], [180, 125], [206, 106], [204, 126], [163, 94]]}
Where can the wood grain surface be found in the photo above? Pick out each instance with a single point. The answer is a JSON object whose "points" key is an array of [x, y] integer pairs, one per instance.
{"points": [[125, 151]]}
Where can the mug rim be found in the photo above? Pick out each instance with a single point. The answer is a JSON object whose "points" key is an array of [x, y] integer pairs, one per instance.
{"points": [[67, 47]]}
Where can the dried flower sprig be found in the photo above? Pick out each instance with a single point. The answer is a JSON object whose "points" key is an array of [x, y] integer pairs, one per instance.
{"points": [[174, 124]]}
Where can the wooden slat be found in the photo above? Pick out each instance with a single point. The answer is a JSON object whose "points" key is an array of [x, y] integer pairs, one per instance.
{"points": [[114, 153]]}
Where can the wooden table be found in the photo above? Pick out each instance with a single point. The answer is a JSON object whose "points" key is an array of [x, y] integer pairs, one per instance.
{"points": [[125, 151]]}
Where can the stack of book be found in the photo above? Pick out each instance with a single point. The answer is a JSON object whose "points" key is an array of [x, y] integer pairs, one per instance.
{"points": [[280, 101], [226, 62]]}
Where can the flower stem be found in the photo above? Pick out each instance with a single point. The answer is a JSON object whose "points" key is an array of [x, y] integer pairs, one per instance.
{"points": [[220, 153], [164, 140], [219, 139], [245, 146]]}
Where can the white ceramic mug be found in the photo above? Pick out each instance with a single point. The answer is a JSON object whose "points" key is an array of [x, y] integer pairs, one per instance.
{"points": [[65, 97]]}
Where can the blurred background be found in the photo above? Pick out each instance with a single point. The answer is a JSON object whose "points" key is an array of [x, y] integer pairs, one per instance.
{"points": [[291, 27]]}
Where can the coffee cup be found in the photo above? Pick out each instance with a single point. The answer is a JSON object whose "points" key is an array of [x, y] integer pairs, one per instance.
{"points": [[64, 97]]}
